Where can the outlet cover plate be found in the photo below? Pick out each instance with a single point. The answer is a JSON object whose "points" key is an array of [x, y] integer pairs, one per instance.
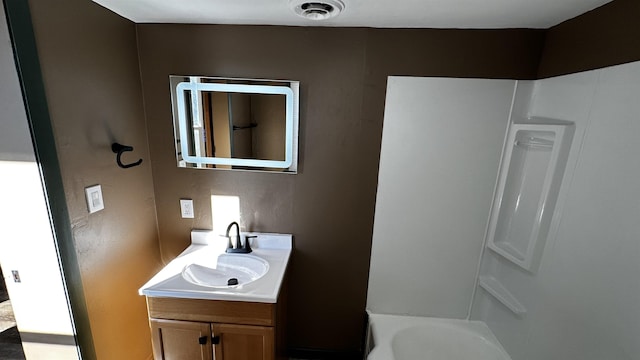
{"points": [[186, 208]]}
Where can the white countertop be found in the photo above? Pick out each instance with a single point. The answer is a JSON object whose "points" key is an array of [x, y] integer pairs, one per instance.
{"points": [[274, 248]]}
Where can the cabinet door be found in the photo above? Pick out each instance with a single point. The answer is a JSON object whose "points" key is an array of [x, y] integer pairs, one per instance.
{"points": [[244, 342], [180, 340]]}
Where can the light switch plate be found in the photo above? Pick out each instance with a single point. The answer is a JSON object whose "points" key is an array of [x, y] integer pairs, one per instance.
{"points": [[186, 208], [16, 276], [94, 198]]}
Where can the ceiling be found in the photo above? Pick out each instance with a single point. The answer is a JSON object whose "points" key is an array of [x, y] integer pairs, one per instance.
{"points": [[366, 13]]}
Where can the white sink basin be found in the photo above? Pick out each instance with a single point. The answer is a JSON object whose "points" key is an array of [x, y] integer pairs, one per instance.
{"points": [[226, 271]]}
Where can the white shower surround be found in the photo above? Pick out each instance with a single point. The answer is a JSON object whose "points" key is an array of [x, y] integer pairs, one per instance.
{"points": [[582, 302], [431, 215]]}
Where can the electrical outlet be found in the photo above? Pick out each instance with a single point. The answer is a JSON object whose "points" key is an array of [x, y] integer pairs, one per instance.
{"points": [[186, 208]]}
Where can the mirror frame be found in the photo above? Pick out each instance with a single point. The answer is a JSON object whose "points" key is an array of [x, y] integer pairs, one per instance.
{"points": [[195, 89]]}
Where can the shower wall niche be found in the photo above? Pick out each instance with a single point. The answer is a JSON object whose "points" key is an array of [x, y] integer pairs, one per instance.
{"points": [[532, 169]]}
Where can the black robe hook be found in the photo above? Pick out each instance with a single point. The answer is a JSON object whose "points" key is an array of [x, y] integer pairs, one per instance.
{"points": [[119, 149]]}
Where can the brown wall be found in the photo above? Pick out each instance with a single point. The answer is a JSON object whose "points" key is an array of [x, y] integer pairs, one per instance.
{"points": [[329, 204], [608, 35], [90, 68]]}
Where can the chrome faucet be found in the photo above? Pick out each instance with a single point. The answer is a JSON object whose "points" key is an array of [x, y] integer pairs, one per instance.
{"points": [[239, 248]]}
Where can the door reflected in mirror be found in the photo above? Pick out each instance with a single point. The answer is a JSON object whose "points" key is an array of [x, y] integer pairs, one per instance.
{"points": [[235, 124]]}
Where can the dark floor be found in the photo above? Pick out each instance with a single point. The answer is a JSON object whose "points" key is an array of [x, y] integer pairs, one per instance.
{"points": [[10, 344]]}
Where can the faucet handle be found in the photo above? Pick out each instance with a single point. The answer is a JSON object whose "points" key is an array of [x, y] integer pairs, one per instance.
{"points": [[247, 246]]}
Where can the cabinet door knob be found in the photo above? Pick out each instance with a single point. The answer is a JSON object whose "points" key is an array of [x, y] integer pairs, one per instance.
{"points": [[202, 340], [215, 340]]}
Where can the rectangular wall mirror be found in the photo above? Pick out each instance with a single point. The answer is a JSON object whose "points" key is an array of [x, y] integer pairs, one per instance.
{"points": [[235, 124]]}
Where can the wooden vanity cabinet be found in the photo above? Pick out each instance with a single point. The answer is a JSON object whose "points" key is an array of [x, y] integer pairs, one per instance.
{"points": [[212, 329], [244, 342], [180, 339]]}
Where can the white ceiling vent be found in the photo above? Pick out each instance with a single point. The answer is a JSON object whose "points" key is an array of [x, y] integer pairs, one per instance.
{"points": [[317, 10]]}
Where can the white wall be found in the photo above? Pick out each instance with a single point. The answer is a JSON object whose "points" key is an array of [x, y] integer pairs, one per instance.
{"points": [[441, 146], [583, 302], [26, 241]]}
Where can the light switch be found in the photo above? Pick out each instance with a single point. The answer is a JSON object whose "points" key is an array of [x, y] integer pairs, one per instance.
{"points": [[94, 198], [186, 208]]}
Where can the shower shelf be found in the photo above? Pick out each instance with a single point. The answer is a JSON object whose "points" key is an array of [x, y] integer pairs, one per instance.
{"points": [[535, 142], [498, 291], [528, 184]]}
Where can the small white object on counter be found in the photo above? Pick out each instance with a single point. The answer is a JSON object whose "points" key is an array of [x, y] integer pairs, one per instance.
{"points": [[273, 248]]}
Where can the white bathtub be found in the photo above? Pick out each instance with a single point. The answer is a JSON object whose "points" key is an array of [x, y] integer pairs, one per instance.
{"points": [[393, 337]]}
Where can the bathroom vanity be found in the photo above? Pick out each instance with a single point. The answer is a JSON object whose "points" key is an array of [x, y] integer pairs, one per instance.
{"points": [[195, 314]]}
